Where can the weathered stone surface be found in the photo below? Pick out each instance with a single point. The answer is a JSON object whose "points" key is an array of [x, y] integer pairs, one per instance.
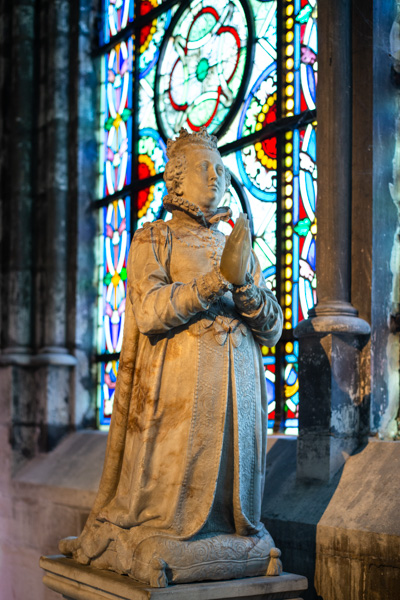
{"points": [[75, 464], [331, 423], [47, 259], [344, 527], [385, 97], [292, 509], [333, 414]]}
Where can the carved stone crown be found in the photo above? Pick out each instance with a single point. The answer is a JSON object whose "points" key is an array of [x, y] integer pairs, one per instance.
{"points": [[202, 139]]}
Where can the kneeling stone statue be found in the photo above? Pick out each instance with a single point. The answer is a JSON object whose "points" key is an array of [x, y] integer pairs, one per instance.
{"points": [[183, 478]]}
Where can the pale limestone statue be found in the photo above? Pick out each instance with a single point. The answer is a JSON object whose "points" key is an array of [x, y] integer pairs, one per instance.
{"points": [[183, 478]]}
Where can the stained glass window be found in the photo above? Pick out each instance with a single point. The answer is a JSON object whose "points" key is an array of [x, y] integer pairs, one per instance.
{"points": [[247, 70]]}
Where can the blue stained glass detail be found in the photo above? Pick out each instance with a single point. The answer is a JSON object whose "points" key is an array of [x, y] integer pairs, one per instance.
{"points": [[117, 13], [295, 305], [269, 71], [312, 145], [296, 244], [312, 254], [269, 272]]}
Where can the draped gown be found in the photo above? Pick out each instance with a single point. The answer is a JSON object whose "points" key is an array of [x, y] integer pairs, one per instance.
{"points": [[187, 444]]}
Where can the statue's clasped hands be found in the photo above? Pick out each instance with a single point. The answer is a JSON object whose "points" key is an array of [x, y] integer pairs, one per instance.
{"points": [[236, 255]]}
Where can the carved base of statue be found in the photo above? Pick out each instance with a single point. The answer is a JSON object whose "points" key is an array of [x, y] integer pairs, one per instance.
{"points": [[160, 560], [77, 582]]}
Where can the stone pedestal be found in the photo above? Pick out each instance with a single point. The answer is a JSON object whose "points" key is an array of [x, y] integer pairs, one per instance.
{"points": [[332, 409], [333, 416], [78, 582]]}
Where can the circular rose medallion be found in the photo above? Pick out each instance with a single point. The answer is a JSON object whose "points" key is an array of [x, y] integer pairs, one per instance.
{"points": [[203, 66]]}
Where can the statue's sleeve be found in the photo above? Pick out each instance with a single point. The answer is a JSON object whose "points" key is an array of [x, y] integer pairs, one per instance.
{"points": [[258, 306], [158, 303]]}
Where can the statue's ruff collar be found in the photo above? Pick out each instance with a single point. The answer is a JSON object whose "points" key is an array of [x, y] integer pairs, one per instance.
{"points": [[173, 202]]}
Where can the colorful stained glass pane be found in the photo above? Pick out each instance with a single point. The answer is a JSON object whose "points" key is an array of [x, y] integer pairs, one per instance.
{"points": [[202, 66], [291, 388], [301, 64], [152, 153], [299, 206], [150, 203], [107, 380], [113, 248], [269, 361], [146, 6], [151, 147], [299, 282], [258, 106], [116, 117], [213, 63], [117, 13]]}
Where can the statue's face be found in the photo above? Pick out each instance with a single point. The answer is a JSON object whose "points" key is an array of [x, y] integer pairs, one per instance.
{"points": [[204, 183]]}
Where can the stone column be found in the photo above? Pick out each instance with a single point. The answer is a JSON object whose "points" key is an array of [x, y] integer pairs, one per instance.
{"points": [[53, 359], [17, 185], [53, 171], [331, 420], [17, 421]]}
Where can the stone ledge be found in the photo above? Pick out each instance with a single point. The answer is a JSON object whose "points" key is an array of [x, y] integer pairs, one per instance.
{"points": [[78, 582], [69, 474]]}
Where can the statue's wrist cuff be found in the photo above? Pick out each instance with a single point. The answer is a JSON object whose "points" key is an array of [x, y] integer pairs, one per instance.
{"points": [[212, 285], [247, 297], [246, 287]]}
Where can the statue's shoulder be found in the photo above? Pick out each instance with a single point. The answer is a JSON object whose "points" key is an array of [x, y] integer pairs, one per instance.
{"points": [[158, 227]]}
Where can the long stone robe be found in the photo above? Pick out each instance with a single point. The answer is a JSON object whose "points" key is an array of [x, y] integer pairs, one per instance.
{"points": [[187, 444]]}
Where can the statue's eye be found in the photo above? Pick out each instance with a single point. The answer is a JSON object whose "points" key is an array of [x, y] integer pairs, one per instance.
{"points": [[220, 169]]}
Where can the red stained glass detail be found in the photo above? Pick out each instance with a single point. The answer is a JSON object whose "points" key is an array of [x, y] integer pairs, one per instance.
{"points": [[302, 212], [270, 117], [269, 147], [142, 197], [144, 33], [143, 171], [145, 7]]}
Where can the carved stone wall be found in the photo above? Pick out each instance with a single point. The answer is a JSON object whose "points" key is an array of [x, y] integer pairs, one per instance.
{"points": [[47, 229], [48, 164]]}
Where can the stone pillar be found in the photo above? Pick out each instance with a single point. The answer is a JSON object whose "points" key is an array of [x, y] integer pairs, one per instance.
{"points": [[16, 239], [53, 171], [53, 358], [17, 174], [332, 420]]}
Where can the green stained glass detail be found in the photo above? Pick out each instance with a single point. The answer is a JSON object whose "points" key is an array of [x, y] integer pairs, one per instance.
{"points": [[126, 113], [123, 274], [304, 14], [202, 69], [109, 123], [303, 227], [107, 279]]}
